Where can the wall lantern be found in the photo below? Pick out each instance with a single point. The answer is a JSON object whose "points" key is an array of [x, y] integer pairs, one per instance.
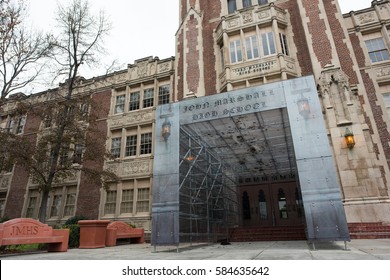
{"points": [[166, 130], [349, 138], [303, 107]]}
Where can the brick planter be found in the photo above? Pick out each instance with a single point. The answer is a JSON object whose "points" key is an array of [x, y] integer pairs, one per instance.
{"points": [[93, 233]]}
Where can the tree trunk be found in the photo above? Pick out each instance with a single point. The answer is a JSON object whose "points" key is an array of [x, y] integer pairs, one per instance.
{"points": [[43, 207]]}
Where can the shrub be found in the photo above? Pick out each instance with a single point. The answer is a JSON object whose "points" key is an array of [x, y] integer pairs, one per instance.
{"points": [[74, 230]]}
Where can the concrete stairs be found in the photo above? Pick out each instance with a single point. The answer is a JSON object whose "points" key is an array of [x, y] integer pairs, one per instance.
{"points": [[281, 233]]}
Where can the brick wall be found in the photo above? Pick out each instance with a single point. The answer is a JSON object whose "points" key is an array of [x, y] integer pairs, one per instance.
{"points": [[88, 199]]}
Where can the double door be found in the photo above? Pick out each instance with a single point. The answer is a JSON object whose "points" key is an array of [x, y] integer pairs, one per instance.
{"points": [[271, 204]]}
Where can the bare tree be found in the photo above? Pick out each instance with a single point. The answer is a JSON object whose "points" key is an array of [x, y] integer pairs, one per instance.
{"points": [[21, 51], [79, 42]]}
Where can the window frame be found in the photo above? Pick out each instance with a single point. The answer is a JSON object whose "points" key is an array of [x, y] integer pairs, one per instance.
{"points": [[146, 142], [131, 145], [377, 50], [148, 98], [252, 47], [120, 101], [134, 103], [235, 51], [164, 94], [116, 150]]}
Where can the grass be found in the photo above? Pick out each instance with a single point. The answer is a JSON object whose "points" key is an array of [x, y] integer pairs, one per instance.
{"points": [[12, 249]]}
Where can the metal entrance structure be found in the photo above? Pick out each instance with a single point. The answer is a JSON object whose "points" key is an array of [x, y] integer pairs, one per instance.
{"points": [[206, 146]]}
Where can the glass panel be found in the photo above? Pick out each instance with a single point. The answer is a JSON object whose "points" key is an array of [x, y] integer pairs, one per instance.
{"points": [[232, 7], [282, 204], [110, 203], [134, 101], [116, 147], [120, 104], [246, 208], [148, 97], [55, 206], [163, 94], [252, 50], [127, 201], [31, 207], [146, 143], [143, 200], [70, 204], [131, 145], [262, 206], [246, 3]]}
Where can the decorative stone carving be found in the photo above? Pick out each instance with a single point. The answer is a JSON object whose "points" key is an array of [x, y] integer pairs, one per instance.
{"points": [[232, 23], [264, 14], [383, 72], [136, 167], [131, 118], [247, 17], [163, 67], [336, 93], [366, 18]]}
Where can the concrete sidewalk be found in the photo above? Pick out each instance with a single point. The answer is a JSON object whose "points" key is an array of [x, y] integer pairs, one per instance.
{"points": [[368, 249]]}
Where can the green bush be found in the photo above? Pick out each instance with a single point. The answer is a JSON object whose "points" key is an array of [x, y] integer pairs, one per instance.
{"points": [[74, 220], [74, 230]]}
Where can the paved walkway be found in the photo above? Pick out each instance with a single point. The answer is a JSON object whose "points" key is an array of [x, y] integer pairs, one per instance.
{"points": [[377, 249]]}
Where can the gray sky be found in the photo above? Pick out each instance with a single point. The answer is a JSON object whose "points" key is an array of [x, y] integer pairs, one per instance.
{"points": [[140, 28]]}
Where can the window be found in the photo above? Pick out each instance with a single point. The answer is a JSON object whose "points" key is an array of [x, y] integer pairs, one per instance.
{"points": [[78, 153], [146, 144], [116, 147], [267, 39], [120, 104], [252, 49], [232, 6], [47, 122], [2, 204], [55, 206], [16, 125], [235, 51], [246, 3], [148, 98], [377, 50], [131, 146], [143, 200], [70, 203], [222, 53], [5, 164], [84, 110], [10, 125], [263, 2], [110, 205], [134, 101], [32, 205], [64, 156], [283, 43], [127, 201], [163, 94]]}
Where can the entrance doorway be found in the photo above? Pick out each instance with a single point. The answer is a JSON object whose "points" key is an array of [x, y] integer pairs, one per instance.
{"points": [[271, 204]]}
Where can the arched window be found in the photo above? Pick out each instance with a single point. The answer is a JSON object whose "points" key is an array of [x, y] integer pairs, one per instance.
{"points": [[246, 208], [262, 206]]}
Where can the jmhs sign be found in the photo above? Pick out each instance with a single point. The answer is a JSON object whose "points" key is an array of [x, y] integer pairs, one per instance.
{"points": [[24, 230]]}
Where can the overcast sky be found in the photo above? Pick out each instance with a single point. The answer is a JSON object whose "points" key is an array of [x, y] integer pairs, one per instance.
{"points": [[141, 28]]}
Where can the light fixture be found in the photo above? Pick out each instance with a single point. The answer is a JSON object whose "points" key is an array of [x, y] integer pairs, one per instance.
{"points": [[349, 138], [166, 130], [303, 107]]}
